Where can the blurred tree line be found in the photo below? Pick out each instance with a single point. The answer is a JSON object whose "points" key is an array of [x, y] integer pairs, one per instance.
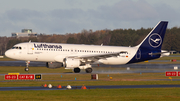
{"points": [[117, 37]]}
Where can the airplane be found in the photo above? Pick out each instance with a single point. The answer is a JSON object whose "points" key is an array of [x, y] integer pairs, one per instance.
{"points": [[78, 57]]}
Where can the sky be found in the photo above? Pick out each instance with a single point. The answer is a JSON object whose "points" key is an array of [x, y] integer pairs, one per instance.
{"points": [[72, 16]]}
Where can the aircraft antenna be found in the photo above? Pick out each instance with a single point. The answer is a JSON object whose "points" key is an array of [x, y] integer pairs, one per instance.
{"points": [[102, 44]]}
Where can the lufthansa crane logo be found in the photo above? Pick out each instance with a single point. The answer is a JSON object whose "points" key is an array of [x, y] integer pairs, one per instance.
{"points": [[155, 40]]}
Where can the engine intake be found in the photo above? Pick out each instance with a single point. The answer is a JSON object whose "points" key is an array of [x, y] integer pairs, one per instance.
{"points": [[71, 63]]}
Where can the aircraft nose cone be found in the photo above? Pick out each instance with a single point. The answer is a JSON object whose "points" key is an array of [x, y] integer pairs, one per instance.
{"points": [[8, 53]]}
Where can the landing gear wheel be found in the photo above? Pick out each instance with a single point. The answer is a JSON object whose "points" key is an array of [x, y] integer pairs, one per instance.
{"points": [[89, 70], [77, 70], [26, 69]]}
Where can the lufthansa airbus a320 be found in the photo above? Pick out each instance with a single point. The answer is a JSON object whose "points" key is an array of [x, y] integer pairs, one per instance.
{"points": [[77, 57]]}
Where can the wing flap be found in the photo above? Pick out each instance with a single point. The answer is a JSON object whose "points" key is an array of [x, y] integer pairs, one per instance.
{"points": [[95, 57]]}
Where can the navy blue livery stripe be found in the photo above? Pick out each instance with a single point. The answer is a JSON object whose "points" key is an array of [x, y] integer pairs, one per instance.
{"points": [[151, 44]]}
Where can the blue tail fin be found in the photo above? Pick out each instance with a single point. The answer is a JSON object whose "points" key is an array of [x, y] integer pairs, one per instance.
{"points": [[150, 47], [154, 39]]}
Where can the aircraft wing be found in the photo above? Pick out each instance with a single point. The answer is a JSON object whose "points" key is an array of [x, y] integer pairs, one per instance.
{"points": [[95, 57]]}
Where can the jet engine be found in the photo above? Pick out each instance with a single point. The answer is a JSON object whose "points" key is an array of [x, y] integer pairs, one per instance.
{"points": [[53, 65], [71, 63]]}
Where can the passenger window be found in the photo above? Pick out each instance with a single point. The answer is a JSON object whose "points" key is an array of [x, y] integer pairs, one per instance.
{"points": [[123, 52]]}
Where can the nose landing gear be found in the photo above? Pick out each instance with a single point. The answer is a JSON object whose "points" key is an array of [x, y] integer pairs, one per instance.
{"points": [[26, 69], [27, 65]]}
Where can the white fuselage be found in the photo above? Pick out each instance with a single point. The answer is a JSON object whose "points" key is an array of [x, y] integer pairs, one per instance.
{"points": [[54, 52]]}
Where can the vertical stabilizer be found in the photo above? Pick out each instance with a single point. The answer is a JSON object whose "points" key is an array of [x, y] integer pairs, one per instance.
{"points": [[154, 39], [150, 47]]}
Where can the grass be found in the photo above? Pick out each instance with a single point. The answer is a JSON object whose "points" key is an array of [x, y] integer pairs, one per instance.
{"points": [[86, 83], [158, 63], [169, 58], [140, 94], [127, 94], [104, 79]]}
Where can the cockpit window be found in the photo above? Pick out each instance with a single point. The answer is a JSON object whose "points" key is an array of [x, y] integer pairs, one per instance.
{"points": [[16, 47], [13, 47]]}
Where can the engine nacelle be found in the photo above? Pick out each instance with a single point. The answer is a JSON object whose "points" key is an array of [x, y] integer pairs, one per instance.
{"points": [[71, 63], [53, 65]]}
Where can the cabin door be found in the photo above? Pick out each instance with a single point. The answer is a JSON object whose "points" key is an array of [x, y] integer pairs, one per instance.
{"points": [[30, 48]]}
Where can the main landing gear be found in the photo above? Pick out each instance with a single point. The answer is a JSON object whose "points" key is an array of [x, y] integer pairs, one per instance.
{"points": [[88, 70], [77, 70], [27, 65]]}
